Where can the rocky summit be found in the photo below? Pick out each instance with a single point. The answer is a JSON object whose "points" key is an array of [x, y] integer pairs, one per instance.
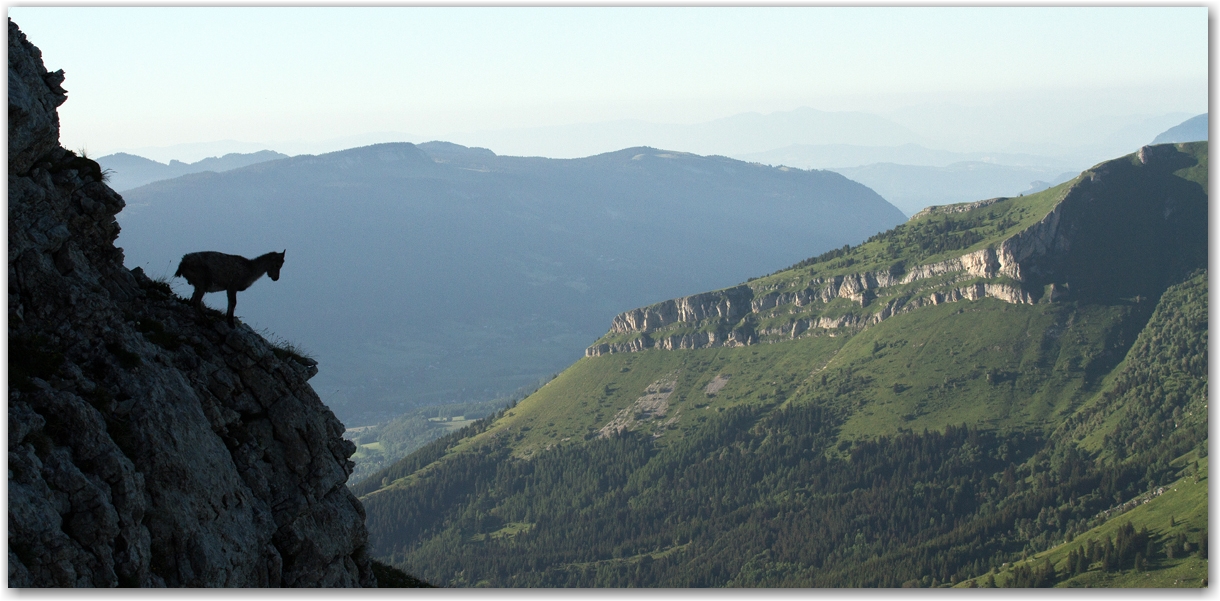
{"points": [[149, 445]]}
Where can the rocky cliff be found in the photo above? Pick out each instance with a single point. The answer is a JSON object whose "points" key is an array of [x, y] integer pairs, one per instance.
{"points": [[1115, 232], [149, 445]]}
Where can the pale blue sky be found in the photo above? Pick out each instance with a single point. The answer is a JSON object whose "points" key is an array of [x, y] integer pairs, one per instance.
{"points": [[145, 76]]}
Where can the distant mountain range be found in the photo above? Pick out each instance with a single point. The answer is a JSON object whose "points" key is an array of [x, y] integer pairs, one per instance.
{"points": [[194, 151], [883, 153], [425, 274], [909, 175], [129, 171], [1072, 139], [1191, 130]]}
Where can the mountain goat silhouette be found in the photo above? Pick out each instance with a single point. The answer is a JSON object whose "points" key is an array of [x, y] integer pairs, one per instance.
{"points": [[211, 271]]}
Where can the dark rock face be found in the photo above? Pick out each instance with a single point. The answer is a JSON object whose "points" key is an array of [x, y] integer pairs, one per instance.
{"points": [[33, 96], [149, 445]]}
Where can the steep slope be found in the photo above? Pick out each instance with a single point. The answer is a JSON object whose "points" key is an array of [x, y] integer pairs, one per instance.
{"points": [[1158, 540], [468, 275], [913, 411], [1148, 417], [148, 445]]}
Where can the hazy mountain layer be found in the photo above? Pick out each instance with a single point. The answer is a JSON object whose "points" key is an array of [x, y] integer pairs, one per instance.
{"points": [[969, 389], [733, 135], [129, 171], [439, 273], [911, 188], [913, 177], [1191, 130], [197, 151], [836, 156]]}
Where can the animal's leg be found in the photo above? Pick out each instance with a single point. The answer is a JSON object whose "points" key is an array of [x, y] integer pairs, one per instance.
{"points": [[197, 299], [232, 305]]}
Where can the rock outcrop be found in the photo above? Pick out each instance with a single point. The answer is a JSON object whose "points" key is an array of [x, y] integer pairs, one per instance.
{"points": [[149, 445], [1071, 252], [737, 309]]}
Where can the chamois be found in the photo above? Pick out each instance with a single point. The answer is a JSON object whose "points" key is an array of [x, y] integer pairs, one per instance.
{"points": [[211, 271]]}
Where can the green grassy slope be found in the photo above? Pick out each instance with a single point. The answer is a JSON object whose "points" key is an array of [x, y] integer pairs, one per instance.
{"points": [[926, 449], [1019, 365]]}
